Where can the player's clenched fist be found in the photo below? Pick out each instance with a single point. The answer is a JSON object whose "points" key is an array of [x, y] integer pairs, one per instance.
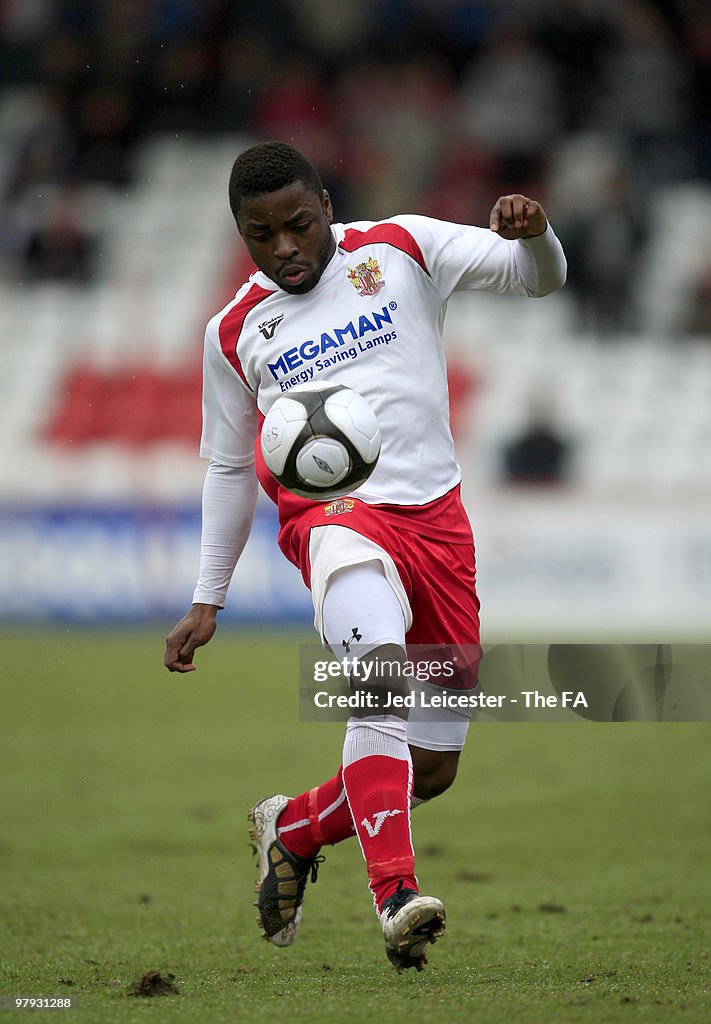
{"points": [[194, 630], [518, 217]]}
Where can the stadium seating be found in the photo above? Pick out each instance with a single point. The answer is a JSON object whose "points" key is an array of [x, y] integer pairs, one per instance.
{"points": [[118, 362]]}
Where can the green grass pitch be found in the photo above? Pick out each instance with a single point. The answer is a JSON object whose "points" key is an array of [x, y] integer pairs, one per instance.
{"points": [[574, 860]]}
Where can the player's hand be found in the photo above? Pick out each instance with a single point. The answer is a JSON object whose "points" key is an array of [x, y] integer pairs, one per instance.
{"points": [[194, 630], [517, 217]]}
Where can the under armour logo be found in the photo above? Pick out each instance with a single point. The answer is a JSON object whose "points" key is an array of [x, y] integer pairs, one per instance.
{"points": [[347, 643], [268, 328], [379, 819]]}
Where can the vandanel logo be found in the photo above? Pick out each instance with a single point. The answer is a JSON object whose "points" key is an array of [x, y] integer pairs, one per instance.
{"points": [[366, 278], [379, 819], [268, 328]]}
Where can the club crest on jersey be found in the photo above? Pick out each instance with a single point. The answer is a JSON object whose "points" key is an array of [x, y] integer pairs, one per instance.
{"points": [[268, 328], [338, 507], [366, 278]]}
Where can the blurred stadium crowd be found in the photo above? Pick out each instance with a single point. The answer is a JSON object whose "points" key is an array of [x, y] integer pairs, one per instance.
{"points": [[433, 106], [119, 122]]}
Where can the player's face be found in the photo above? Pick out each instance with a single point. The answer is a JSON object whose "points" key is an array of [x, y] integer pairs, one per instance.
{"points": [[288, 234]]}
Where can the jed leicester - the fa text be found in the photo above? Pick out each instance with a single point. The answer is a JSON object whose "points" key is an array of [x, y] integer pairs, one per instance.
{"points": [[447, 699]]}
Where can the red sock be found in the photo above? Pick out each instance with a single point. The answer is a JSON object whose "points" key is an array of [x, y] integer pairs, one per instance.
{"points": [[316, 818], [378, 789]]}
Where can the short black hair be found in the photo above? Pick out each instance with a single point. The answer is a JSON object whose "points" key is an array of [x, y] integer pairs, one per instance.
{"points": [[268, 167]]}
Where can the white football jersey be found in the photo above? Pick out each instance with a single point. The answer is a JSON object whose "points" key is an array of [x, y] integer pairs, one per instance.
{"points": [[374, 323]]}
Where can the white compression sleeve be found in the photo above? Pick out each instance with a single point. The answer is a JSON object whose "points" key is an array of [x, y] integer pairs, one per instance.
{"points": [[359, 600], [541, 263], [229, 499]]}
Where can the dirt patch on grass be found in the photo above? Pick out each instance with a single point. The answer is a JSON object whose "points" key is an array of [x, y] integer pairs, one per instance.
{"points": [[154, 984], [473, 876]]}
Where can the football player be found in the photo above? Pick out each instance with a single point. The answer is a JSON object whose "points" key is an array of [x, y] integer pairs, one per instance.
{"points": [[391, 566]]}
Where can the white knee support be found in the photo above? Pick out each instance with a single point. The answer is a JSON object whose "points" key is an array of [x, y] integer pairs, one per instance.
{"points": [[361, 611]]}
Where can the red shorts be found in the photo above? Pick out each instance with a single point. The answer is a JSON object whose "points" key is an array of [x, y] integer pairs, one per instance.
{"points": [[433, 551]]}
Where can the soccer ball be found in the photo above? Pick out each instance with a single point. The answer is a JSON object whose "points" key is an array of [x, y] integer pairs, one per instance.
{"points": [[321, 440]]}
